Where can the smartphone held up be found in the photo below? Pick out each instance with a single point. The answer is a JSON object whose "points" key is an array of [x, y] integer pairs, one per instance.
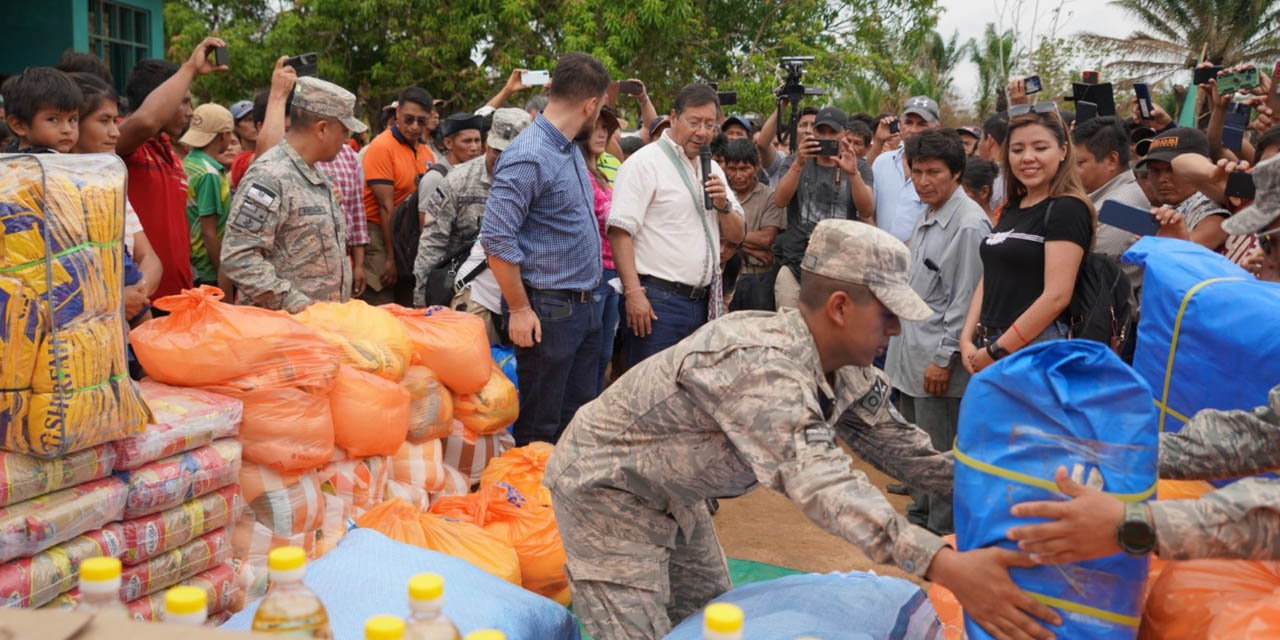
{"points": [[539, 78]]}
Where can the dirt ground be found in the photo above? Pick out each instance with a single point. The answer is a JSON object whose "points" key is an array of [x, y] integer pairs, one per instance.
{"points": [[765, 526]]}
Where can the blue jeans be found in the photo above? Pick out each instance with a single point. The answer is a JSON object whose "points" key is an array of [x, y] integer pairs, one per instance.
{"points": [[678, 317], [557, 375], [608, 308]]}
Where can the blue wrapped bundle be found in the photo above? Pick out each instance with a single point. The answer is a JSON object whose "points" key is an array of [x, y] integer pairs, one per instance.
{"points": [[1066, 403]]}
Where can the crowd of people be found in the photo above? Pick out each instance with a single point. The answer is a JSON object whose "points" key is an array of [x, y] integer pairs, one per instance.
{"points": [[918, 253]]}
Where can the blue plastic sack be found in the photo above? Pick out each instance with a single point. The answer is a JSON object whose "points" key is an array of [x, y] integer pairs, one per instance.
{"points": [[1069, 403], [506, 359], [368, 575], [850, 606]]}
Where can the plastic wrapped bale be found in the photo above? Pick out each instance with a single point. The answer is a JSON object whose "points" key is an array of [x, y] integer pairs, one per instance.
{"points": [[370, 414], [430, 405], [854, 606], [367, 573], [218, 583], [370, 338], [34, 581], [419, 465], [451, 343], [287, 504], [358, 484], [165, 484], [470, 453], [27, 528], [1203, 318], [185, 419], [24, 477], [491, 409], [151, 535], [61, 236], [1069, 403], [169, 568], [22, 330], [251, 542]]}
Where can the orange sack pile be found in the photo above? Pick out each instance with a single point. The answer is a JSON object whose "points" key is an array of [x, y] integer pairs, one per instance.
{"points": [[491, 409], [370, 414], [370, 338], [452, 344], [402, 522], [522, 468], [287, 429], [430, 405]]}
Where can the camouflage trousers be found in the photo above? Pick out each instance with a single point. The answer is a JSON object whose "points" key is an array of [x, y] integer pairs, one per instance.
{"points": [[625, 589]]}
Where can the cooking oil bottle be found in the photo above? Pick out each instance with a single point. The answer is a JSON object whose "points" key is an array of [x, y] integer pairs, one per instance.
{"points": [[291, 609], [426, 603]]}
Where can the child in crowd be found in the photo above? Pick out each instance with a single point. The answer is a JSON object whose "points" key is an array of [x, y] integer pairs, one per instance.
{"points": [[42, 110]]}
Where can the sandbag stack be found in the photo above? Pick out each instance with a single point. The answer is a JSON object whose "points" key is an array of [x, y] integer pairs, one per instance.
{"points": [[64, 384], [160, 501]]}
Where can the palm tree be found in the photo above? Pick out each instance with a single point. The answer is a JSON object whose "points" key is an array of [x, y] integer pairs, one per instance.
{"points": [[994, 57], [1176, 31], [862, 94], [939, 60]]}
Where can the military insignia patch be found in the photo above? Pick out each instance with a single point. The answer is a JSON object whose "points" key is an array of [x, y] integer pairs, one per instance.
{"points": [[874, 399], [250, 218], [261, 195]]}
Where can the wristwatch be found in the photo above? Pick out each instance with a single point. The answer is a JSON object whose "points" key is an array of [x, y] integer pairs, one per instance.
{"points": [[1136, 534], [996, 351], [725, 209]]}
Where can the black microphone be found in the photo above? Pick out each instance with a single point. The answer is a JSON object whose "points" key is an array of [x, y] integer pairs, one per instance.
{"points": [[704, 156]]}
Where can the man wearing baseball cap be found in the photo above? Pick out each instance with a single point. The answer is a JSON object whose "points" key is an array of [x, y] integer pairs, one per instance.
{"points": [[760, 398], [736, 128], [1202, 216], [285, 244], [242, 115], [897, 204], [211, 132]]}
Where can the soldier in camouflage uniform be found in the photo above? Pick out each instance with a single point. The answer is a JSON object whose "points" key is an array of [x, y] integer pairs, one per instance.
{"points": [[285, 243], [759, 398], [1241, 520], [455, 209]]}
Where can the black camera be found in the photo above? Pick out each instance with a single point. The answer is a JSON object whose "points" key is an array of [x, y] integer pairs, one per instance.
{"points": [[792, 88]]}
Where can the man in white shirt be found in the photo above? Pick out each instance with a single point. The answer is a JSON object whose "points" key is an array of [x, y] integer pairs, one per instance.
{"points": [[898, 207], [666, 242]]}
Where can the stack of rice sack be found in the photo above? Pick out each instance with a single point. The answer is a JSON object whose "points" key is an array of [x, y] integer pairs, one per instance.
{"points": [[64, 386], [283, 372], [482, 402]]}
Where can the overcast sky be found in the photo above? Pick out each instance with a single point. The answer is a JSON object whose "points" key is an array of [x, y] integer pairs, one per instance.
{"points": [[970, 17]]}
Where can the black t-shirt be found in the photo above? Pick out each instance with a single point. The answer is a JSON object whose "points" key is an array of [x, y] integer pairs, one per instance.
{"points": [[823, 193], [1013, 255]]}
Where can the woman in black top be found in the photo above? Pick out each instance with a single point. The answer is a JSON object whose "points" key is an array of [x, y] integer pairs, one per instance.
{"points": [[1031, 258]]}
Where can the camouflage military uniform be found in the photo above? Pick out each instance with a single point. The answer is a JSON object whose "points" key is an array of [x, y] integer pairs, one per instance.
{"points": [[455, 209], [742, 401], [1241, 520], [286, 240]]}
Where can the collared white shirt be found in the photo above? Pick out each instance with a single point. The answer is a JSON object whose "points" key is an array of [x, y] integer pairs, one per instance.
{"points": [[652, 203]]}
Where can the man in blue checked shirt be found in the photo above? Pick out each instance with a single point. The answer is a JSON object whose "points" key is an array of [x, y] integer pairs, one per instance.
{"points": [[543, 241]]}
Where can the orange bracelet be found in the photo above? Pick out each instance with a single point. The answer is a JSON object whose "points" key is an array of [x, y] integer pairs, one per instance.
{"points": [[1025, 342]]}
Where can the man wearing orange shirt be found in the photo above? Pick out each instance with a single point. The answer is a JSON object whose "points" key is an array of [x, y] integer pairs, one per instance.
{"points": [[393, 164]]}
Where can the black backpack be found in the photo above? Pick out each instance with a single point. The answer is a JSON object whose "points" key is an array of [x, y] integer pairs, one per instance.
{"points": [[406, 230], [1102, 303]]}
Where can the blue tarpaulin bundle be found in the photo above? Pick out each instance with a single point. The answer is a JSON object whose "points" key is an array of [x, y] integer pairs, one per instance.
{"points": [[1069, 403]]}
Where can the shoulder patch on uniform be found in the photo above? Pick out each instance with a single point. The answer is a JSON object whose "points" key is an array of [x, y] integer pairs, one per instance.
{"points": [[250, 217], [261, 195], [820, 435], [876, 397], [437, 199]]}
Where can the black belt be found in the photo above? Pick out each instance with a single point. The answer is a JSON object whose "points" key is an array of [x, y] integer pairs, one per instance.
{"points": [[691, 292], [571, 295]]}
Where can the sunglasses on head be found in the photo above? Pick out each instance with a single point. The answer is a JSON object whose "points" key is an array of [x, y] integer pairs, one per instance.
{"points": [[1039, 107], [421, 120]]}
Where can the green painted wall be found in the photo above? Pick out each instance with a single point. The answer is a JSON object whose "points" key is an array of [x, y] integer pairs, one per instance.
{"points": [[52, 26]]}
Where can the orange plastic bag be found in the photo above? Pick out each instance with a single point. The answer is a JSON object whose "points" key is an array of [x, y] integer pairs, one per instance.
{"points": [[371, 339], [490, 409], [206, 342], [419, 465], [286, 429], [530, 527], [430, 405], [400, 521], [370, 414], [948, 608], [1237, 599], [451, 343], [522, 468]]}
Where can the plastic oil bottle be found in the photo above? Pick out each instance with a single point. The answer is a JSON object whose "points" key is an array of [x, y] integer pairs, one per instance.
{"points": [[291, 608], [722, 621], [186, 606], [486, 634], [100, 586], [426, 604], [384, 628]]}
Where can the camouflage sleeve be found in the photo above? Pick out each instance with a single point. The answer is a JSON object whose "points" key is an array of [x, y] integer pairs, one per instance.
{"points": [[249, 241], [874, 429], [441, 211], [774, 421], [1224, 444], [1241, 520]]}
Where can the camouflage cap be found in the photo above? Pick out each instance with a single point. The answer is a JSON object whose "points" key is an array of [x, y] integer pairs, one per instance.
{"points": [[859, 253], [507, 124], [327, 99], [1266, 203]]}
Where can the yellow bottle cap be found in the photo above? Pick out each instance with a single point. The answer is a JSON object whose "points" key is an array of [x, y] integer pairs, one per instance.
{"points": [[383, 628], [184, 601], [100, 569], [722, 618], [287, 559], [426, 586], [487, 634]]}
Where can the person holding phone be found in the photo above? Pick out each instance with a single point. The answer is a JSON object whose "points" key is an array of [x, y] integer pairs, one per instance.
{"points": [[1031, 259], [1202, 215], [897, 205], [821, 182]]}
